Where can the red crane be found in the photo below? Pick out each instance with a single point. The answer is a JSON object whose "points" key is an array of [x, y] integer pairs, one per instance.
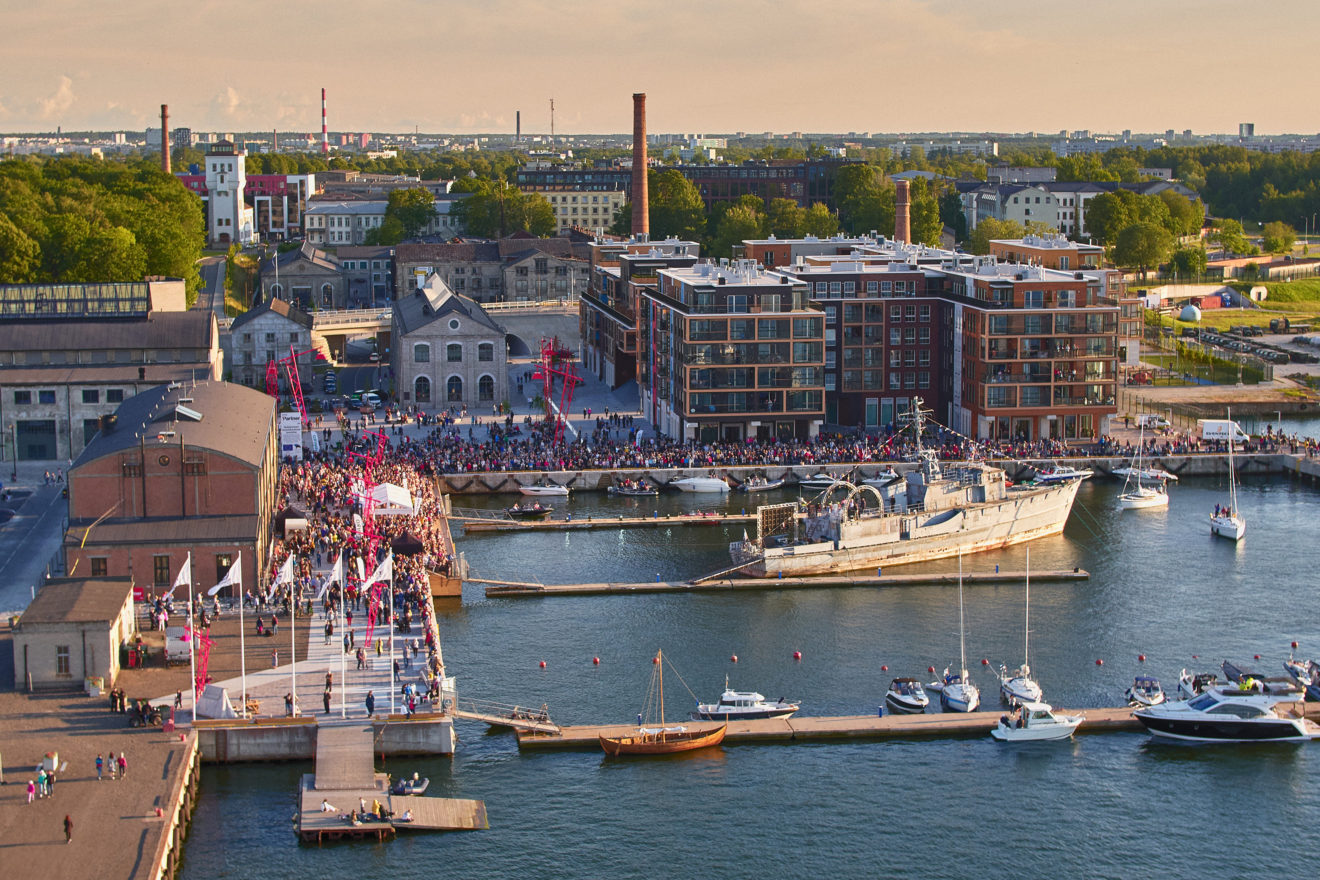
{"points": [[557, 361], [290, 364], [369, 463]]}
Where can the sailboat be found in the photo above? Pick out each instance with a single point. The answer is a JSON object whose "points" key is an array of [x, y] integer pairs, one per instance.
{"points": [[1136, 495], [657, 739], [1018, 687], [957, 693], [1228, 523]]}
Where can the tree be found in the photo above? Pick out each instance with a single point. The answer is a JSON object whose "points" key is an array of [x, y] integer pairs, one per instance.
{"points": [[1189, 262], [784, 218], [990, 229], [20, 256], [497, 209], [865, 199], [740, 222], [675, 206], [1143, 246], [951, 214], [1107, 215], [924, 214], [819, 220], [1228, 236], [1185, 215], [1279, 238], [414, 209]]}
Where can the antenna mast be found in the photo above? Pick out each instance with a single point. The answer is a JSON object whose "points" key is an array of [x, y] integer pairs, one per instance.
{"points": [[552, 119]]}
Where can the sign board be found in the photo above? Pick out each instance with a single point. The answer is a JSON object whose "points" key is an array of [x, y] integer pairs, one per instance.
{"points": [[291, 439]]}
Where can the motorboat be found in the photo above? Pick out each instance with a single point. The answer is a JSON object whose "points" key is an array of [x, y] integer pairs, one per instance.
{"points": [[1237, 713], [528, 511], [821, 480], [1136, 495], [1228, 522], [1306, 674], [1017, 686], [1062, 473], [760, 484], [906, 696], [743, 706], [1193, 684], [699, 484], [1146, 473], [656, 738], [957, 693], [1145, 691], [545, 490], [1035, 722], [633, 488], [414, 786], [1236, 673], [884, 478]]}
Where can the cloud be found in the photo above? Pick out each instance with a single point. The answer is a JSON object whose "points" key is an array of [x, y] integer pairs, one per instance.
{"points": [[228, 102], [58, 103]]}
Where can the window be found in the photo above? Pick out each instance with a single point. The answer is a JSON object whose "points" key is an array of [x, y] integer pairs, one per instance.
{"points": [[872, 287], [910, 313], [223, 562], [247, 337], [895, 380], [270, 337], [1066, 299], [293, 338], [22, 398], [1033, 299], [47, 396], [62, 661], [422, 389], [91, 395], [454, 389], [925, 313], [99, 566], [895, 336], [160, 570], [895, 313], [486, 389], [923, 379], [454, 352], [421, 353], [923, 335], [486, 351]]}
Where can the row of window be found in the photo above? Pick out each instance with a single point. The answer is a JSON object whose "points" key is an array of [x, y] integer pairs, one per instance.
{"points": [[89, 395], [454, 389], [453, 352], [873, 380]]}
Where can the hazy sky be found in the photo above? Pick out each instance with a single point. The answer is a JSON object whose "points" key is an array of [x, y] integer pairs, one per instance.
{"points": [[706, 65]]}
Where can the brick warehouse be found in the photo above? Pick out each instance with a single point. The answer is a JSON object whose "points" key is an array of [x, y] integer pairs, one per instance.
{"points": [[179, 468]]}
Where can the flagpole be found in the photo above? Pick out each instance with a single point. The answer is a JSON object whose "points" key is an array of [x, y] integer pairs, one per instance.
{"points": [[392, 710], [242, 644], [293, 644], [343, 631], [192, 640]]}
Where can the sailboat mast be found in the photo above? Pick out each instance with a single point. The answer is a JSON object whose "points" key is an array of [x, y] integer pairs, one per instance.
{"points": [[1232, 474], [660, 671], [962, 631], [1026, 626]]}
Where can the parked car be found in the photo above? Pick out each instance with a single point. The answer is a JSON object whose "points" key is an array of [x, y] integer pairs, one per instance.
{"points": [[330, 382], [372, 398]]}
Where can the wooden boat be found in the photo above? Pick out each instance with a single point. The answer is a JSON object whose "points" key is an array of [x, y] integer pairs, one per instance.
{"points": [[760, 484], [657, 739]]}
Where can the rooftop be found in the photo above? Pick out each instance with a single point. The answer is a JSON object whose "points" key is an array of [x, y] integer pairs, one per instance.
{"points": [[736, 273], [156, 330], [78, 600]]}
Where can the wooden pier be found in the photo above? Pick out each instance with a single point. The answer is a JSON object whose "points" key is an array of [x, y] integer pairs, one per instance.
{"points": [[346, 780], [816, 729], [472, 524], [522, 589]]}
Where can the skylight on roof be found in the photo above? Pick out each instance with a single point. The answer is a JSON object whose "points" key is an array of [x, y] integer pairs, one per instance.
{"points": [[183, 412]]}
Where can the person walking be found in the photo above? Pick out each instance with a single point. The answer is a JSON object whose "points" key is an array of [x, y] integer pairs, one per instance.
{"points": [[100, 766], [68, 828], [371, 703], [325, 700], [41, 783], [123, 765], [31, 790], [113, 766], [50, 784]]}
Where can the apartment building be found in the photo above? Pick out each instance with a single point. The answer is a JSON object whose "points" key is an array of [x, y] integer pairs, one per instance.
{"points": [[730, 352], [583, 209]]}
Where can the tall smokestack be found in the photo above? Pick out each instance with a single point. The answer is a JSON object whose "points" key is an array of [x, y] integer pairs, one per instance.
{"points": [[325, 132], [902, 211], [165, 138], [517, 126], [641, 210], [275, 140]]}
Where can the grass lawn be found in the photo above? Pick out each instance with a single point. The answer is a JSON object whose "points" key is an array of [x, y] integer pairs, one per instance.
{"points": [[1298, 301]]}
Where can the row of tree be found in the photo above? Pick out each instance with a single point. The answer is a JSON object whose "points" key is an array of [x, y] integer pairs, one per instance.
{"points": [[78, 220]]}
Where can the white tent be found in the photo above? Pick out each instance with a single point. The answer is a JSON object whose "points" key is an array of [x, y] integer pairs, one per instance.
{"points": [[391, 500], [214, 703]]}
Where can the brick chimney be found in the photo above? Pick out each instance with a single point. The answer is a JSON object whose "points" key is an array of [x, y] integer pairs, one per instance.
{"points": [[641, 211], [902, 211], [165, 138]]}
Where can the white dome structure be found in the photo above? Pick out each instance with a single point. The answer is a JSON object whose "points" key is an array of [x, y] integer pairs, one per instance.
{"points": [[1190, 314]]}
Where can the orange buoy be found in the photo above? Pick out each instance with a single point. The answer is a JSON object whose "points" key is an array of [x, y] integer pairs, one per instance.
{"points": [[797, 655], [543, 664], [1294, 644], [595, 661], [1141, 657], [1099, 662], [733, 659]]}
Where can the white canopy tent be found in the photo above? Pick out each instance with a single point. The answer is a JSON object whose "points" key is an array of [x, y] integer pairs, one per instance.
{"points": [[391, 500]]}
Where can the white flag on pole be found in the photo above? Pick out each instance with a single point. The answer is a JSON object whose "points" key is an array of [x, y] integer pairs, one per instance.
{"points": [[285, 574], [185, 575], [361, 571], [234, 577], [384, 572], [336, 576]]}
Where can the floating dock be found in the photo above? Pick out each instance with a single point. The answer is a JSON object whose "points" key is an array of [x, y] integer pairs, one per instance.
{"points": [[522, 589], [346, 779], [472, 524], [815, 729]]}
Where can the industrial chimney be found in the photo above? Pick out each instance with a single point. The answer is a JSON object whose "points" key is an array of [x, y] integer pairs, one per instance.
{"points": [[165, 138], [641, 211], [902, 211], [517, 126], [325, 133]]}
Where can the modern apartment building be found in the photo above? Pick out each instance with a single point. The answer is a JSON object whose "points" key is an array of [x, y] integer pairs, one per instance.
{"points": [[729, 352]]}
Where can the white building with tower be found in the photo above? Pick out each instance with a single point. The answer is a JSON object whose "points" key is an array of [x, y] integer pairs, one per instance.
{"points": [[228, 218]]}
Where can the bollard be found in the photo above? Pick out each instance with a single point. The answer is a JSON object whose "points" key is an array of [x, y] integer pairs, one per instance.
{"points": [[879, 571], [781, 575], [657, 577]]}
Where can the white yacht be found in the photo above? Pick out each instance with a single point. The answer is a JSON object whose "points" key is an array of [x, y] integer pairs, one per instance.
{"points": [[1035, 722], [1227, 522], [1062, 473], [1017, 686], [884, 478], [1136, 495], [700, 484], [743, 706], [545, 490], [822, 480], [1237, 713], [906, 696], [1145, 691]]}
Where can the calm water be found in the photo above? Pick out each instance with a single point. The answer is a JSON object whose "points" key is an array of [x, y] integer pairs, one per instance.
{"points": [[1102, 806]]}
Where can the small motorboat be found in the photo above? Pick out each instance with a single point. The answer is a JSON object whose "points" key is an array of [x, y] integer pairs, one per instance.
{"points": [[1035, 722], [1145, 691], [1231, 713], [1238, 674], [743, 706], [884, 478], [414, 786], [1306, 674], [699, 484], [633, 488], [1192, 685], [821, 480], [760, 484], [1017, 687], [528, 511], [545, 490], [906, 696], [1061, 473]]}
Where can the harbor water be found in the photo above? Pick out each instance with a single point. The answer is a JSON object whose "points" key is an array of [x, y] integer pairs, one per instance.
{"points": [[1110, 805]]}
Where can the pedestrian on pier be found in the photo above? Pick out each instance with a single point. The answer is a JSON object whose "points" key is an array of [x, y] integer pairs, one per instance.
{"points": [[325, 700], [31, 790], [68, 828], [100, 766], [113, 766], [123, 765], [371, 703]]}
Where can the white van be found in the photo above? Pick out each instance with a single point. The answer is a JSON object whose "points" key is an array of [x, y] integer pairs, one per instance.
{"points": [[1221, 429]]}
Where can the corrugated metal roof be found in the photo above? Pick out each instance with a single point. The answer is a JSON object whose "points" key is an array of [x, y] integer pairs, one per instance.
{"points": [[171, 330]]}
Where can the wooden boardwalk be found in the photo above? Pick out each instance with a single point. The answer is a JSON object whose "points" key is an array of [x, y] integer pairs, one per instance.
{"points": [[519, 589], [483, 524], [815, 729]]}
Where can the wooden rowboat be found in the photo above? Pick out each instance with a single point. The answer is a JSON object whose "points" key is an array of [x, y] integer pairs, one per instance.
{"points": [[662, 741]]}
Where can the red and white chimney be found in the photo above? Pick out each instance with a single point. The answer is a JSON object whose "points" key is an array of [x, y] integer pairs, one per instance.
{"points": [[325, 132], [641, 211]]}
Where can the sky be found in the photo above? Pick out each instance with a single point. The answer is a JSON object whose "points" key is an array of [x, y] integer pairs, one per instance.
{"points": [[707, 66]]}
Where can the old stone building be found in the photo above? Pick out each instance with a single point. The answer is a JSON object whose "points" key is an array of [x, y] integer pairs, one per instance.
{"points": [[264, 334], [72, 631], [304, 276], [448, 351]]}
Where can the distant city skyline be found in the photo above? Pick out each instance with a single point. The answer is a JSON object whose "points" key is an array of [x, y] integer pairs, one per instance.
{"points": [[883, 66]]}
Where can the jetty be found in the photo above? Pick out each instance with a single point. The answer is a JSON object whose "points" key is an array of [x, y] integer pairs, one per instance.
{"points": [[346, 779], [716, 584], [474, 521]]}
